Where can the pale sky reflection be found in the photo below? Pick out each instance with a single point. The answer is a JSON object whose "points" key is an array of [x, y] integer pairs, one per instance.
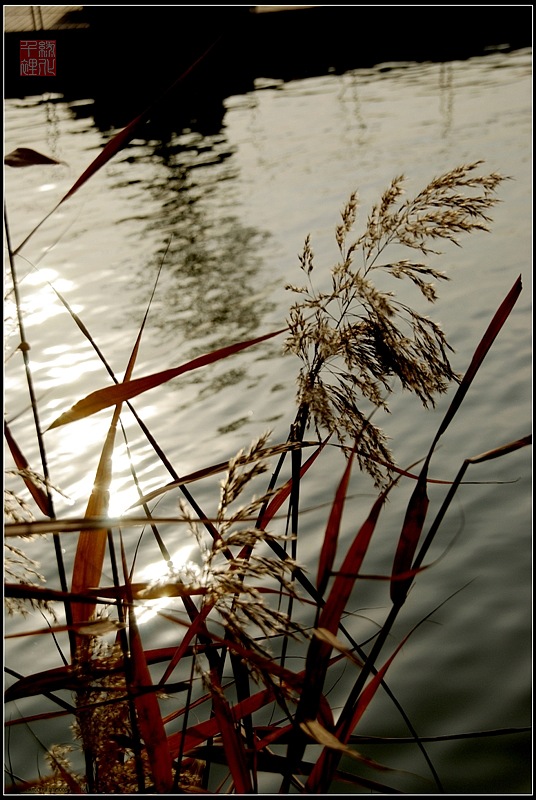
{"points": [[155, 572]]}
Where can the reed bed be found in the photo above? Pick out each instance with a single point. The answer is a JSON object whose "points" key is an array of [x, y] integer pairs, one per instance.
{"points": [[223, 709]]}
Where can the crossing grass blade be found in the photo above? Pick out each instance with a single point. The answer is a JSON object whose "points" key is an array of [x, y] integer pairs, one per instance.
{"points": [[210, 471], [329, 546], [208, 729], [35, 490], [492, 331], [119, 393], [91, 548], [283, 493], [319, 776], [233, 745], [409, 539], [418, 505], [156, 447]]}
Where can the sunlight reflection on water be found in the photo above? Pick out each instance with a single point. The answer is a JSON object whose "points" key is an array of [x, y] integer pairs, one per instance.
{"points": [[156, 573]]}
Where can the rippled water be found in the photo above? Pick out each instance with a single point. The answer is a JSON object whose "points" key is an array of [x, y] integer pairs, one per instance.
{"points": [[227, 215]]}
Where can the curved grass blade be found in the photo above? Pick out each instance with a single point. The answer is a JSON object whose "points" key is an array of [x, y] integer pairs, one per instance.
{"points": [[53, 680], [37, 493], [409, 539], [319, 776], [69, 678], [91, 548], [319, 651], [492, 331], [232, 744], [487, 456], [329, 545], [283, 493], [418, 505], [119, 393], [68, 708], [26, 157]]}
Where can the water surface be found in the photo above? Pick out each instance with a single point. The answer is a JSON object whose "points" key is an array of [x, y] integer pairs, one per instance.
{"points": [[226, 216]]}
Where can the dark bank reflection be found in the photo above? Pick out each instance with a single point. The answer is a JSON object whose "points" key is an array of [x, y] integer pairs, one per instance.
{"points": [[212, 261]]}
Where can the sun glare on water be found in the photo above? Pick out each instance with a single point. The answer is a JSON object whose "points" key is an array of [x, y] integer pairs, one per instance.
{"points": [[156, 572]]}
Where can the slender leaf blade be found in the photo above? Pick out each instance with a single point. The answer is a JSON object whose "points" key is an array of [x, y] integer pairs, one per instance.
{"points": [[36, 492], [492, 331], [329, 545], [345, 727], [346, 577], [283, 493], [233, 745], [26, 157], [409, 539], [119, 393], [91, 547]]}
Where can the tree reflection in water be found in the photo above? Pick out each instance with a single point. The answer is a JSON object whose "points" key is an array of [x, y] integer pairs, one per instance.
{"points": [[213, 288]]}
